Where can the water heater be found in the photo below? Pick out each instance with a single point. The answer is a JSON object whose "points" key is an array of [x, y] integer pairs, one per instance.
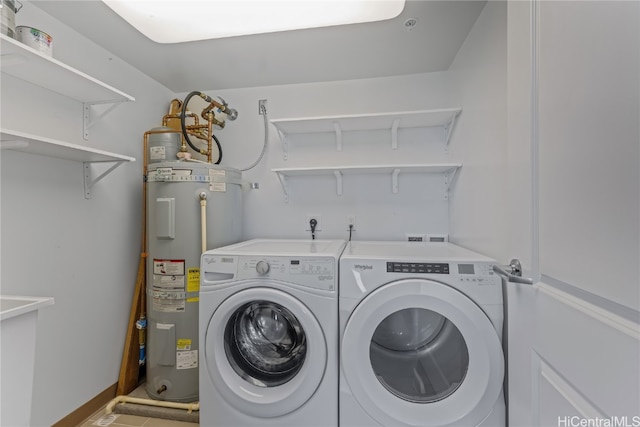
{"points": [[192, 206]]}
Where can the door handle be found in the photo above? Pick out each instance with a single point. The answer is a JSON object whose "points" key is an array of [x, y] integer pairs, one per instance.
{"points": [[512, 272]]}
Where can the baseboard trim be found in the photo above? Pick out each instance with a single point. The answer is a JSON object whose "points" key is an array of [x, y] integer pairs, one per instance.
{"points": [[85, 411]]}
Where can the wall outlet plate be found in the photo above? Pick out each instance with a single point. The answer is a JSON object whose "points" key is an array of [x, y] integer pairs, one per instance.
{"points": [[262, 107], [351, 221], [434, 238], [416, 237]]}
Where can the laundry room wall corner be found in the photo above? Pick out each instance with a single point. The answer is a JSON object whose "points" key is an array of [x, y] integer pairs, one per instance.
{"points": [[479, 78], [55, 242]]}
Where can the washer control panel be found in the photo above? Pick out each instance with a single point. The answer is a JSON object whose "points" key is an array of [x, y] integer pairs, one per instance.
{"points": [[312, 272]]}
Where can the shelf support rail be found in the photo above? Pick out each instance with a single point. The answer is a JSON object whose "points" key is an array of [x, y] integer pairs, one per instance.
{"points": [[89, 183], [88, 121], [448, 129]]}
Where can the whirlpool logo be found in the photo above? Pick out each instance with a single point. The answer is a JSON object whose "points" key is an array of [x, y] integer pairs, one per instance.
{"points": [[363, 267]]}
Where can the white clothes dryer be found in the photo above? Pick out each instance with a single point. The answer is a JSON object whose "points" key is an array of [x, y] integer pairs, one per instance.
{"points": [[269, 334], [421, 336]]}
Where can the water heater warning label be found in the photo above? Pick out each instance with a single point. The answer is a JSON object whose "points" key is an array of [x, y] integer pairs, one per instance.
{"points": [[187, 359], [168, 286], [168, 267]]}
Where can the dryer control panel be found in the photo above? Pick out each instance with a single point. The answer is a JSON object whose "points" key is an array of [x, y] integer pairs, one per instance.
{"points": [[417, 267]]}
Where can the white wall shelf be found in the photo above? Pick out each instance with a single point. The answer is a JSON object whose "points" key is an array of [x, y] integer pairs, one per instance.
{"points": [[32, 144], [26, 63], [447, 169], [444, 118]]}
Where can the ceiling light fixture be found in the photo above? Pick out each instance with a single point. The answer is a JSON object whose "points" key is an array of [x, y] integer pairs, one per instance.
{"points": [[167, 21]]}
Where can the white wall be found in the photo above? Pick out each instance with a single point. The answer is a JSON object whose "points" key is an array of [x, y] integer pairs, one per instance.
{"points": [[419, 206], [84, 253], [479, 84]]}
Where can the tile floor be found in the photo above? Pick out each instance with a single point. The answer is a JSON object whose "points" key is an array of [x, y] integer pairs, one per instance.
{"points": [[119, 420]]}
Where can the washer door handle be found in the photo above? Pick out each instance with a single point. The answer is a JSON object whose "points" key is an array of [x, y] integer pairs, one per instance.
{"points": [[513, 272]]}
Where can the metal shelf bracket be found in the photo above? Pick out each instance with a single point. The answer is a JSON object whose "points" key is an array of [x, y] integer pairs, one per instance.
{"points": [[336, 127], [88, 121], [394, 134], [448, 179], [285, 186], [448, 129], [285, 144], [394, 180], [89, 182], [338, 176]]}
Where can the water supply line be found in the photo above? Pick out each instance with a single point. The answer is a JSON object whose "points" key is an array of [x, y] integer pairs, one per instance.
{"points": [[263, 112], [189, 407], [203, 220]]}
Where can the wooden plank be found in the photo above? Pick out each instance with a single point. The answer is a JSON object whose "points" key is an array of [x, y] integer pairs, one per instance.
{"points": [[130, 367]]}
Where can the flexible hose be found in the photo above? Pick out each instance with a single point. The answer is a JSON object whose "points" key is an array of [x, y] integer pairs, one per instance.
{"points": [[183, 125], [264, 144]]}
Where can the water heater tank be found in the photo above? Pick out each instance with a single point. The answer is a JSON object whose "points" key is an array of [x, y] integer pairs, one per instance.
{"points": [[174, 246]]}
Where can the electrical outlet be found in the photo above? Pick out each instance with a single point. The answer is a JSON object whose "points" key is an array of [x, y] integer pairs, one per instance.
{"points": [[262, 107], [318, 218], [351, 222]]}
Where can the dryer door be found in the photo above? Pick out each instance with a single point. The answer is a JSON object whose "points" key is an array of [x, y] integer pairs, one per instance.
{"points": [[418, 352], [265, 351]]}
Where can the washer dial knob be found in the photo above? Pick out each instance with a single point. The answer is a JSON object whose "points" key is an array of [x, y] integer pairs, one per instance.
{"points": [[263, 267]]}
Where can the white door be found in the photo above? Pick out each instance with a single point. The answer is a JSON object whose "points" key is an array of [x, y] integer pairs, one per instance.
{"points": [[574, 178]]}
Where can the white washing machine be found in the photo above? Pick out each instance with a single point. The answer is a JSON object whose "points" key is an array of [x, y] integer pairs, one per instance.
{"points": [[421, 336], [269, 334]]}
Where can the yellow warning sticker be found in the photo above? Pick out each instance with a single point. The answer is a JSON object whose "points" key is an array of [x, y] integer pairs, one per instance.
{"points": [[193, 280], [184, 344]]}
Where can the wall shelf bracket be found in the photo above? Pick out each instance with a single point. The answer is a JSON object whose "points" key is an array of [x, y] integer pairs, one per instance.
{"points": [[448, 129], [448, 179], [394, 134], [285, 144], [336, 127], [89, 182], [394, 180], [285, 186], [87, 112], [338, 176]]}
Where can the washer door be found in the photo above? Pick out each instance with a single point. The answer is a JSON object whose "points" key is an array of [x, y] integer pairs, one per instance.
{"points": [[265, 352], [418, 352]]}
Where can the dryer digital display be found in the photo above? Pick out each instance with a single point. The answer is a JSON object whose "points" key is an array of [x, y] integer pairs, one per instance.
{"points": [[465, 269]]}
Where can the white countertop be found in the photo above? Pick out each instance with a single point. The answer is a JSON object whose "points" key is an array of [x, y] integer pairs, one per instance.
{"points": [[13, 305]]}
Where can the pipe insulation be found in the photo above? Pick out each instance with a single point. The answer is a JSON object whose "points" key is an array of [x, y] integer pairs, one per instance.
{"points": [[203, 220], [189, 407]]}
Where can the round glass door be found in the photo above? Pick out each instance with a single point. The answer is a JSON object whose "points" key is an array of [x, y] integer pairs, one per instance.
{"points": [[265, 343], [419, 355], [264, 350]]}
